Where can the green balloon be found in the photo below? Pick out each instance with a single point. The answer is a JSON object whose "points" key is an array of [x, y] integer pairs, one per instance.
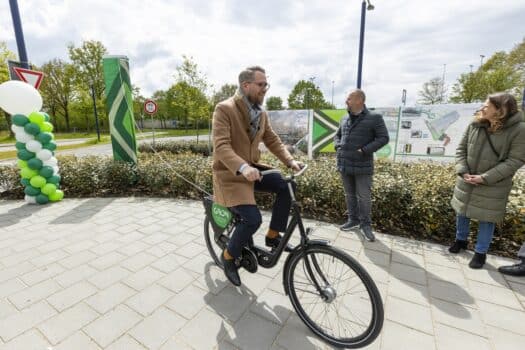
{"points": [[46, 116], [46, 171], [44, 137], [25, 182], [47, 127], [31, 191], [35, 163], [32, 128], [38, 181], [48, 189], [28, 173], [42, 199], [25, 154], [56, 196], [50, 146], [21, 164], [55, 179], [37, 118], [19, 119], [20, 145]]}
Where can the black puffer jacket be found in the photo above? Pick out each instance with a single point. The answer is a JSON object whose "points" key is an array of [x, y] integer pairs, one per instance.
{"points": [[368, 133]]}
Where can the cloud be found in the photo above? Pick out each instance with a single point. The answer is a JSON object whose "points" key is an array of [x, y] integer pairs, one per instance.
{"points": [[407, 42]]}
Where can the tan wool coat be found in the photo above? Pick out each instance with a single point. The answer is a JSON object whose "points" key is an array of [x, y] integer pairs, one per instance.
{"points": [[232, 147]]}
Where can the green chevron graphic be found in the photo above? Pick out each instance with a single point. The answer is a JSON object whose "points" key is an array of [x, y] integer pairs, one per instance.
{"points": [[119, 105], [325, 125]]}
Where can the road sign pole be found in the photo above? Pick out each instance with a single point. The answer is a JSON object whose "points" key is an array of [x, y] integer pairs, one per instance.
{"points": [[153, 129], [150, 107]]}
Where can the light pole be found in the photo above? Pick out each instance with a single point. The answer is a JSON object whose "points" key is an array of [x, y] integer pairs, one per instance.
{"points": [[333, 94], [91, 83], [481, 60], [19, 34], [370, 7]]}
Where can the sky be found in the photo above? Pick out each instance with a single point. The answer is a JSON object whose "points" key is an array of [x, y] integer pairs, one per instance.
{"points": [[407, 42]]}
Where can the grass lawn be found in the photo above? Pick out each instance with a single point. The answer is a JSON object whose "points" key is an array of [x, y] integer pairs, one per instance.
{"points": [[4, 135]]}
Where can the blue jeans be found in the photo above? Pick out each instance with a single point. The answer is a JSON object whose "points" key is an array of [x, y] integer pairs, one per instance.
{"points": [[485, 233], [251, 216]]}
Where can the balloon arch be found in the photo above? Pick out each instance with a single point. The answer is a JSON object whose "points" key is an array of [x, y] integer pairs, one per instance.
{"points": [[35, 144]]}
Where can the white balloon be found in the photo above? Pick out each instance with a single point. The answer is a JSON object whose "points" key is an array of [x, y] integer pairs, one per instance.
{"points": [[16, 129], [30, 199], [18, 97], [44, 154], [23, 137], [33, 146], [55, 170], [52, 162]]}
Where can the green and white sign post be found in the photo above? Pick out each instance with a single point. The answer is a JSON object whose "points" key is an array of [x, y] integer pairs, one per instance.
{"points": [[119, 105]]}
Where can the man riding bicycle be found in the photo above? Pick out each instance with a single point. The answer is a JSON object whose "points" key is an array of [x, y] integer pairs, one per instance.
{"points": [[239, 125]]}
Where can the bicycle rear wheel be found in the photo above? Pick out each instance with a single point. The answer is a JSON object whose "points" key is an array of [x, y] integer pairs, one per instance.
{"points": [[215, 244], [334, 296]]}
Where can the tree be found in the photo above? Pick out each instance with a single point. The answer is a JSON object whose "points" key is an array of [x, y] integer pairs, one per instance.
{"points": [[501, 72], [188, 72], [305, 95], [188, 95], [58, 89], [226, 91], [274, 103], [87, 60], [5, 55], [191, 102], [433, 92]]}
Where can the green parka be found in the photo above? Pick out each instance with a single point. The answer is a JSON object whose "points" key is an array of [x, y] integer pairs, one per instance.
{"points": [[487, 201]]}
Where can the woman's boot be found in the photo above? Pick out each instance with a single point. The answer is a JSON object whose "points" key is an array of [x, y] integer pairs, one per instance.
{"points": [[457, 246]]}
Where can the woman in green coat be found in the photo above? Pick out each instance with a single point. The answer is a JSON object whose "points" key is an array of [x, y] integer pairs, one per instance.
{"points": [[490, 153]]}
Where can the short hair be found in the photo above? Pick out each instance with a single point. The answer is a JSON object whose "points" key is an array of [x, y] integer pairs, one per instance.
{"points": [[248, 74], [359, 92]]}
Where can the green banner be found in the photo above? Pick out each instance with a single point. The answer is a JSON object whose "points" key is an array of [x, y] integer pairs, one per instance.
{"points": [[326, 122], [119, 105]]}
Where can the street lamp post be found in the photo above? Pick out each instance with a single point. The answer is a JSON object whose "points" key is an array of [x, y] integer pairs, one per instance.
{"points": [[362, 39], [481, 60], [95, 109], [333, 94]]}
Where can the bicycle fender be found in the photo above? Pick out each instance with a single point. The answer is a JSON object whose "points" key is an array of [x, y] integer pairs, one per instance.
{"points": [[298, 250]]}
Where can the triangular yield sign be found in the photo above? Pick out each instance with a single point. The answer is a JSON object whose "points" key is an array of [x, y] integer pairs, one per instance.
{"points": [[31, 77]]}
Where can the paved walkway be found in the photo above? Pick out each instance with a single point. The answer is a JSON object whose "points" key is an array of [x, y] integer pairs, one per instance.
{"points": [[134, 273]]}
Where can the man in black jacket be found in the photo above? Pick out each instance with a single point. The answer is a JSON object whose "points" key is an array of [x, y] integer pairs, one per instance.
{"points": [[360, 134]]}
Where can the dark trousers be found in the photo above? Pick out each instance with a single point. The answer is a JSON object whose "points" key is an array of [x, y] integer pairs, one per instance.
{"points": [[251, 216], [358, 194]]}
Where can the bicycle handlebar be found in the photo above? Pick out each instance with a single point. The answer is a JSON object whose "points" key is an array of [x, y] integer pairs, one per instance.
{"points": [[277, 171]]}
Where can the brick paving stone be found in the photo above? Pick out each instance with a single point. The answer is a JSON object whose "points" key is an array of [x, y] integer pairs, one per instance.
{"points": [[71, 295], [149, 299], [33, 294], [79, 341], [19, 322], [105, 278], [157, 328], [128, 343], [112, 325], [31, 340], [66, 323], [109, 298]]}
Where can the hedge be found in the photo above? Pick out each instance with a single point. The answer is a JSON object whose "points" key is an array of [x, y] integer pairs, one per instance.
{"points": [[408, 199]]}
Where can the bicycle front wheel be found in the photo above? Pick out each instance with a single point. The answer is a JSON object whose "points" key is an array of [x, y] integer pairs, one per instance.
{"points": [[334, 296]]}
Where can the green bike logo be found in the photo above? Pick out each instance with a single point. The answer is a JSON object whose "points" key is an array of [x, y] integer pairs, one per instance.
{"points": [[221, 215]]}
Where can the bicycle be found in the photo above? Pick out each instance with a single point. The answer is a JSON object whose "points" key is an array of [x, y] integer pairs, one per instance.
{"points": [[315, 275]]}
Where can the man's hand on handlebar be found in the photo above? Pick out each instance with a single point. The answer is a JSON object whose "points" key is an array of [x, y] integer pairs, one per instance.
{"points": [[251, 173], [296, 166]]}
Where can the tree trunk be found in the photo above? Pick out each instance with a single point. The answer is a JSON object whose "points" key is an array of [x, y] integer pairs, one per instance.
{"points": [[8, 121]]}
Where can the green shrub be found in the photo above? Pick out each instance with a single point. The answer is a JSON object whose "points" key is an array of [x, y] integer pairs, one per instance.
{"points": [[410, 200], [177, 147]]}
